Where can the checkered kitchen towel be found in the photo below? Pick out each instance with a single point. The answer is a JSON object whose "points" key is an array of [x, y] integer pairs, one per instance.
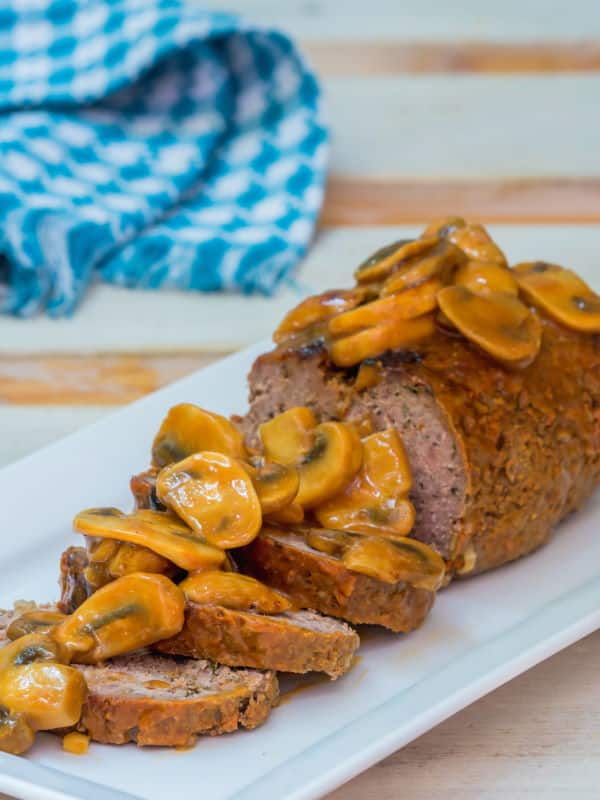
{"points": [[150, 143]]}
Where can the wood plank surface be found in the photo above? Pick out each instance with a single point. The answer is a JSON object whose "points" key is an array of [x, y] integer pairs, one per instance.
{"points": [[369, 201], [426, 20], [93, 380], [465, 127], [375, 58]]}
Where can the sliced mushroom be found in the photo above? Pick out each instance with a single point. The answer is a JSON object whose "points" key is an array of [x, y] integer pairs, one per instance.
{"points": [[290, 515], [234, 591], [38, 621], [334, 543], [405, 560], [476, 243], [188, 429], [326, 456], [317, 308], [385, 260], [30, 648], [131, 612], [16, 734], [48, 695], [438, 262], [561, 293], [372, 342], [214, 494], [486, 277], [276, 484], [159, 531], [376, 501], [441, 228], [498, 323], [409, 304]]}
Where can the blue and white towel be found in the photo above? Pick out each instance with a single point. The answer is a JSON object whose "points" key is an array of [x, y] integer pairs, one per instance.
{"points": [[149, 143]]}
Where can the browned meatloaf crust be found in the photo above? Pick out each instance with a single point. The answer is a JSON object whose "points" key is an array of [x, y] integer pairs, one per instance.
{"points": [[498, 456], [164, 701], [298, 641], [316, 580]]}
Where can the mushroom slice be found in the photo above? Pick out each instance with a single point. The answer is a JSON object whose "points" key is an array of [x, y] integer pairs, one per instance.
{"points": [[499, 323], [376, 502], [486, 277], [48, 695], [409, 304], [317, 308], [132, 612], [159, 531], [40, 620], [16, 734], [234, 591], [385, 260], [561, 293], [403, 560], [438, 262], [30, 648], [334, 543], [276, 485], [133, 558], [188, 429], [290, 515], [441, 228], [214, 494], [326, 456], [372, 342], [476, 243]]}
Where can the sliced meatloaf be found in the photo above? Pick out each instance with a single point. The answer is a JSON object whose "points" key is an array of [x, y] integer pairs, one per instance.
{"points": [[159, 700], [498, 455], [295, 641], [314, 579]]}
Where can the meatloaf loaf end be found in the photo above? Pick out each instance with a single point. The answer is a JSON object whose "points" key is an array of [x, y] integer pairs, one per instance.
{"points": [[295, 641], [314, 579], [498, 455]]}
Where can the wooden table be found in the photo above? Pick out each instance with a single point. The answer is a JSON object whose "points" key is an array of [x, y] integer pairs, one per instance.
{"points": [[435, 109]]}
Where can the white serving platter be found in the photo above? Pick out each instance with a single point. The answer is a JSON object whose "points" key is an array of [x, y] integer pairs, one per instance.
{"points": [[481, 633]]}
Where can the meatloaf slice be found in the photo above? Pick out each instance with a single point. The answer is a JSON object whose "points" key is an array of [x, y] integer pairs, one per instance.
{"points": [[295, 641], [160, 700], [313, 579], [498, 455]]}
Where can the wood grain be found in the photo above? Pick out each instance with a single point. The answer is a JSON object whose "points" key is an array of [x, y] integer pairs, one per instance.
{"points": [[372, 201], [91, 380], [378, 59]]}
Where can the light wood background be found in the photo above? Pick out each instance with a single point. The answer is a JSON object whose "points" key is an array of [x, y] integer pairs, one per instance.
{"points": [[491, 110]]}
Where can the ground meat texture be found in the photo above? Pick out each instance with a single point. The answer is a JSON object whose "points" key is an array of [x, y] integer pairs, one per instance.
{"points": [[316, 580], [298, 641], [498, 455]]}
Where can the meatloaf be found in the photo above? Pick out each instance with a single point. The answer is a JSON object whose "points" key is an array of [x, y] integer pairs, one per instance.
{"points": [[164, 701], [498, 455], [284, 560], [295, 641]]}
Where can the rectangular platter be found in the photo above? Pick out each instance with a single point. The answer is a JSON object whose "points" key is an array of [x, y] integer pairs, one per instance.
{"points": [[481, 633]]}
